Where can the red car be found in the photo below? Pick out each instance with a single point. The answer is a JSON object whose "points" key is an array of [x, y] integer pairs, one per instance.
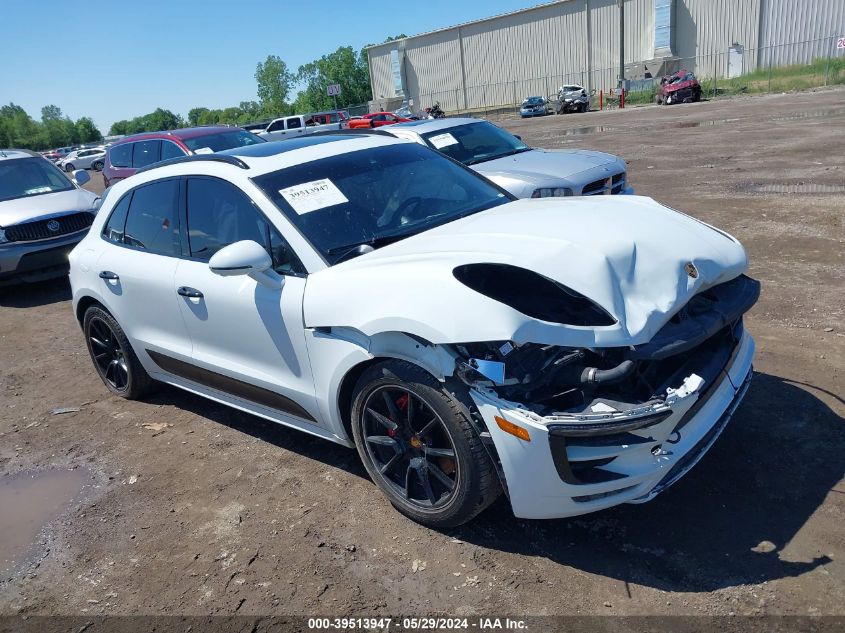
{"points": [[376, 119], [129, 154], [682, 87]]}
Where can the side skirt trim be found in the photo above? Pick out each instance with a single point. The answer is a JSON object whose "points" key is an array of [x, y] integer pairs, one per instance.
{"points": [[232, 386]]}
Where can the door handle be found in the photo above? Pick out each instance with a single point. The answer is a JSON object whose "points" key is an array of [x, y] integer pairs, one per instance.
{"points": [[109, 275], [191, 293]]}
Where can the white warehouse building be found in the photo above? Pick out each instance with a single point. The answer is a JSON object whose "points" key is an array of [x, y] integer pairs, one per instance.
{"points": [[502, 59]]}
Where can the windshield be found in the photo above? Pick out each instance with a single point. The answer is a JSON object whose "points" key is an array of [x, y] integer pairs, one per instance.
{"points": [[376, 196], [222, 140], [534, 101], [475, 142], [24, 177]]}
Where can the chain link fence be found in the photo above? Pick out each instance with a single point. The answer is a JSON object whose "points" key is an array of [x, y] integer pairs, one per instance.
{"points": [[780, 68]]}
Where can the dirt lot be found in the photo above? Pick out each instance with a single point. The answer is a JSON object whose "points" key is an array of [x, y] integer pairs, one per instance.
{"points": [[179, 505]]}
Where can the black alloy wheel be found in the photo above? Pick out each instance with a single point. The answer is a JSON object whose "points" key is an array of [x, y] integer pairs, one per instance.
{"points": [[108, 355], [419, 445], [113, 356], [410, 446]]}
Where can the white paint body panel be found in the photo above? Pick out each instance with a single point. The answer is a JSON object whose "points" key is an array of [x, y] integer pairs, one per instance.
{"points": [[626, 253], [301, 338]]}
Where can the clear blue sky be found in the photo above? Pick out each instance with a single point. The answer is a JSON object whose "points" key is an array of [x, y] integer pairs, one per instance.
{"points": [[117, 60]]}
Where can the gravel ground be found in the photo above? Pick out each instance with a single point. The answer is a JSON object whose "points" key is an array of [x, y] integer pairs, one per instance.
{"points": [[181, 506]]}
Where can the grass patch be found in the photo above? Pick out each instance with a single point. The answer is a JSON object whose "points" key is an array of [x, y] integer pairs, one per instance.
{"points": [[821, 72]]}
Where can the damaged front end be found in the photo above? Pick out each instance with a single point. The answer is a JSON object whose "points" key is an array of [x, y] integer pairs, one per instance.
{"points": [[601, 426]]}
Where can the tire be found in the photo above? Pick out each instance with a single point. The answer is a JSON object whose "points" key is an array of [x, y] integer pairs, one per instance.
{"points": [[437, 423], [69, 167], [122, 373], [97, 165]]}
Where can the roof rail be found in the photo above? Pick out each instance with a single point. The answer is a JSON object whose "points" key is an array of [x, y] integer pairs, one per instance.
{"points": [[22, 151], [217, 158]]}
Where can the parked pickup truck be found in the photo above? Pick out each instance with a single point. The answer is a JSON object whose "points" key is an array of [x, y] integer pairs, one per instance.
{"points": [[299, 124]]}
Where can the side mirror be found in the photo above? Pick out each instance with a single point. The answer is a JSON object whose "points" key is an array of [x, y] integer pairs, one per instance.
{"points": [[245, 258], [517, 136], [80, 177]]}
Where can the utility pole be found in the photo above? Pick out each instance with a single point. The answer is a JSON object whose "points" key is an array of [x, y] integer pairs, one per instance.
{"points": [[621, 43]]}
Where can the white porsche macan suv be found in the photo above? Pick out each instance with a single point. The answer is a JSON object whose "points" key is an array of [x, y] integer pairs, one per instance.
{"points": [[572, 353]]}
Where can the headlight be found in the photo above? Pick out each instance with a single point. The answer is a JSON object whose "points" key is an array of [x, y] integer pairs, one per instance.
{"points": [[552, 192], [3, 239]]}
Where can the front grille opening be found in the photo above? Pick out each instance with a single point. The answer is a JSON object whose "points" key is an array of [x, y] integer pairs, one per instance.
{"points": [[593, 188], [47, 229]]}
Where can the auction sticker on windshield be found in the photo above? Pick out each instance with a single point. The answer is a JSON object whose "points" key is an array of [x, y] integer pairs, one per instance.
{"points": [[443, 140], [314, 195]]}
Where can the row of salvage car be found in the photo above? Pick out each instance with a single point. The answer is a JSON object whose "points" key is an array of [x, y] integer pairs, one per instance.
{"points": [[572, 354]]}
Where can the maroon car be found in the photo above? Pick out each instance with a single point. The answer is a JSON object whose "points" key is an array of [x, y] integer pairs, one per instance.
{"points": [[129, 154], [682, 87]]}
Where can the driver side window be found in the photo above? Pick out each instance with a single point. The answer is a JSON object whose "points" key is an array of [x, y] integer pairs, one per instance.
{"points": [[220, 214]]}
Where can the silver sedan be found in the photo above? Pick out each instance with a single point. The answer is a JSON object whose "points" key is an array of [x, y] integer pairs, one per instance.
{"points": [[523, 171]]}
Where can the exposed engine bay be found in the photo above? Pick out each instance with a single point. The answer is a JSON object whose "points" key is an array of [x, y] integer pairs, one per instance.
{"points": [[550, 380]]}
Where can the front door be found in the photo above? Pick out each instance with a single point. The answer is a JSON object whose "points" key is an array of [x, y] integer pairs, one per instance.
{"points": [[247, 337]]}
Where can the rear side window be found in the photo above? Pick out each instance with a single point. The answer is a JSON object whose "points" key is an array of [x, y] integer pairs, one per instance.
{"points": [[152, 220], [294, 123], [220, 214], [145, 153], [121, 155], [113, 231]]}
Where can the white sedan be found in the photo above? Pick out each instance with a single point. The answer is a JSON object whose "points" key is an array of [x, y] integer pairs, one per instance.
{"points": [[574, 354], [524, 171], [84, 159]]}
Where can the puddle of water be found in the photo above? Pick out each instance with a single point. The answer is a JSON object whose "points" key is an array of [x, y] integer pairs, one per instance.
{"points": [[686, 124], [28, 502], [811, 114], [799, 188], [591, 129]]}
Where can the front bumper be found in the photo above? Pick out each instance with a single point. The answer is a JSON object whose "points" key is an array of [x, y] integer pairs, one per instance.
{"points": [[26, 262], [633, 471]]}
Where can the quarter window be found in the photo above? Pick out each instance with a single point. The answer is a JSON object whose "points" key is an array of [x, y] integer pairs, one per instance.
{"points": [[114, 228], [170, 150], [121, 155], [152, 221], [220, 214], [145, 153]]}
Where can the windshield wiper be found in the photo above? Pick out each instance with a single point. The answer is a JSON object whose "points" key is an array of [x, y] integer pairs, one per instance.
{"points": [[474, 161], [360, 248]]}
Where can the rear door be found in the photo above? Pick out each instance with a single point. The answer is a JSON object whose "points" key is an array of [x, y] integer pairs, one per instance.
{"points": [[137, 268], [294, 127]]}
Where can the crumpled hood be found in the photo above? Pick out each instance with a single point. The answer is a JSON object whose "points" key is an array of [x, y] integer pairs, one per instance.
{"points": [[627, 254], [32, 207]]}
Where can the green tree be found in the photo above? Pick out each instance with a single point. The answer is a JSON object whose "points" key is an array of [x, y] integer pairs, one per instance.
{"points": [[19, 129], [344, 66], [119, 128], [194, 115], [51, 113], [86, 130], [274, 83]]}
